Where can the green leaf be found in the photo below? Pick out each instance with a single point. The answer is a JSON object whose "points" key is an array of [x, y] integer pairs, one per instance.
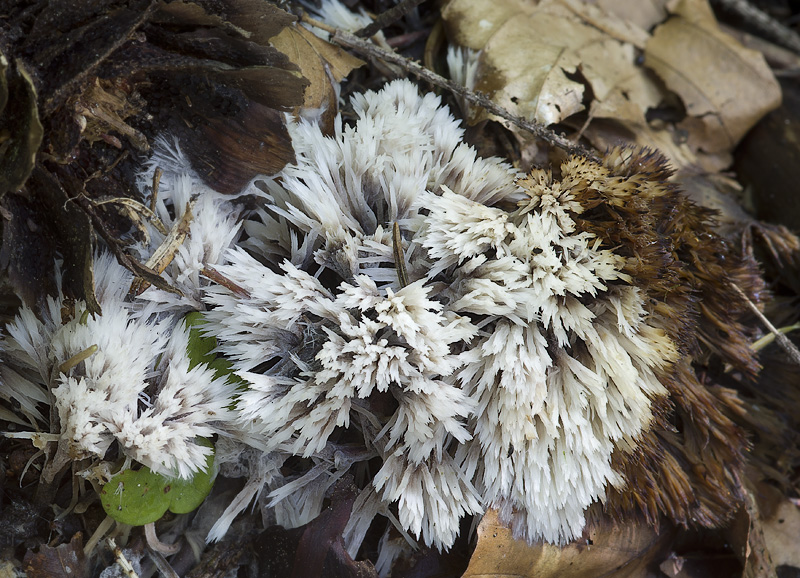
{"points": [[139, 497], [187, 495], [201, 346], [135, 497]]}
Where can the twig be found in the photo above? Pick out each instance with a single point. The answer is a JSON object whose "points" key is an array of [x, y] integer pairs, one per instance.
{"points": [[785, 343], [763, 22], [368, 49], [387, 18], [122, 561], [137, 207], [156, 182], [761, 343], [165, 253], [124, 259], [221, 279]]}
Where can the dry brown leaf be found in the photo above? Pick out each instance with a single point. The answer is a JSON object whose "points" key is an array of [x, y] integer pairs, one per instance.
{"points": [[781, 532], [322, 63], [64, 561], [526, 58], [611, 549], [532, 52], [643, 13], [538, 58], [746, 537], [725, 87]]}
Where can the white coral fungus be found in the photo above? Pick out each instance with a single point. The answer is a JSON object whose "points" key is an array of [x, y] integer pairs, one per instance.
{"points": [[118, 378], [392, 260]]}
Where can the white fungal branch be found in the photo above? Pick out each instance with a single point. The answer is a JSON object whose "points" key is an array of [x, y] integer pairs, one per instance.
{"points": [[99, 369], [518, 354]]}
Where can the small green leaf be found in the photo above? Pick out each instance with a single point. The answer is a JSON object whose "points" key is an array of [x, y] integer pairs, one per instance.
{"points": [[139, 497], [201, 346], [187, 495], [135, 497]]}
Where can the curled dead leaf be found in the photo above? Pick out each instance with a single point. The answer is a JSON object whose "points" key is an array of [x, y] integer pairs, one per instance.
{"points": [[549, 60]]}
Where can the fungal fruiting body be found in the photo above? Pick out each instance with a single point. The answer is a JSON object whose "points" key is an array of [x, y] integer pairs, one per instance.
{"points": [[523, 355], [455, 334], [120, 382]]}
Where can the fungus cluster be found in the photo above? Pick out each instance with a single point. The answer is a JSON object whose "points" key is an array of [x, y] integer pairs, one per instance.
{"points": [[499, 341], [487, 339]]}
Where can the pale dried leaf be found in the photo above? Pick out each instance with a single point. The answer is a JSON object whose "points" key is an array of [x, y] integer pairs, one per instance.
{"points": [[781, 531], [538, 58], [613, 24], [620, 89], [643, 13], [319, 61], [725, 87], [471, 23], [610, 549], [527, 55]]}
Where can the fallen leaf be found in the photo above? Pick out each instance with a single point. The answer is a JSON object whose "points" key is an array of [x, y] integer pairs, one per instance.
{"points": [[315, 550], [643, 13], [781, 531], [549, 60], [724, 87], [609, 549], [64, 561], [322, 63], [747, 537], [527, 59]]}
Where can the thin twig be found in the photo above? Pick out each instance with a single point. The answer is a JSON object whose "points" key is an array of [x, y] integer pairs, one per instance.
{"points": [[154, 194], [763, 22], [368, 49], [122, 561], [785, 343], [165, 253], [124, 259], [138, 208], [387, 18], [221, 279]]}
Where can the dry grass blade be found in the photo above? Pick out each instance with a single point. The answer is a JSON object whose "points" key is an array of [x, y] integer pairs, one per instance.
{"points": [[165, 253]]}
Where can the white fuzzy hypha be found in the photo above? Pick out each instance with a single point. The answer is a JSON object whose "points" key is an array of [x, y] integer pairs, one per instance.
{"points": [[135, 389], [516, 355]]}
